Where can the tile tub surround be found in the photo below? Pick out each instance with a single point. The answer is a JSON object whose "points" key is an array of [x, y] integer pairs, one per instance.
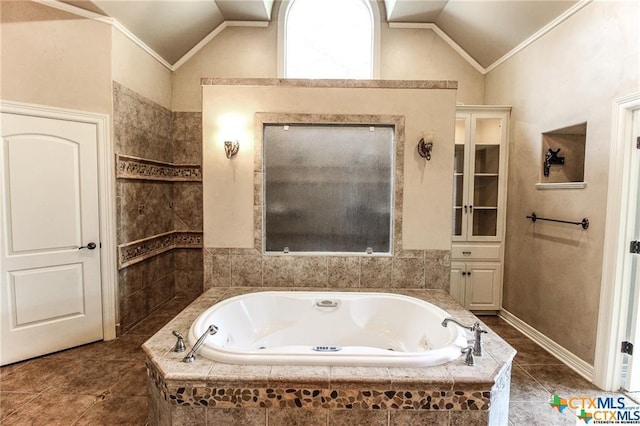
{"points": [[207, 392], [419, 269]]}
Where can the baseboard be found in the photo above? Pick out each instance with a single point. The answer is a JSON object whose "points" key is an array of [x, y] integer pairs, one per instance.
{"points": [[572, 361]]}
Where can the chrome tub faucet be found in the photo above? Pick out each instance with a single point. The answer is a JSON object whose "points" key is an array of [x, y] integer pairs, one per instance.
{"points": [[475, 328], [190, 357]]}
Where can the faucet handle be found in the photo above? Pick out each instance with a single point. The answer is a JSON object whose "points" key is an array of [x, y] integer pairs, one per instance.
{"points": [[477, 343], [179, 346], [478, 328], [468, 359]]}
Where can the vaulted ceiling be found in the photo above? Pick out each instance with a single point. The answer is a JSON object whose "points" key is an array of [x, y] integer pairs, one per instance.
{"points": [[485, 29]]}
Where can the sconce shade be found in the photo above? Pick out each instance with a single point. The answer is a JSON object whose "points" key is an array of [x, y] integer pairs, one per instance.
{"points": [[231, 148], [425, 145], [424, 149]]}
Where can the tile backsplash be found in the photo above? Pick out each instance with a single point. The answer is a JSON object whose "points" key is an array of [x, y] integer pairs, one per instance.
{"points": [[228, 267]]}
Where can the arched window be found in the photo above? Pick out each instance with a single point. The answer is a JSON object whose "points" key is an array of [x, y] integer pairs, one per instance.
{"points": [[329, 39]]}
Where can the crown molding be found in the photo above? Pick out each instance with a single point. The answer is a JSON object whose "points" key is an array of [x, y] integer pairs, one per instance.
{"points": [[117, 25], [542, 31], [141, 44], [400, 25], [433, 27], [455, 46], [109, 21], [213, 34], [75, 10]]}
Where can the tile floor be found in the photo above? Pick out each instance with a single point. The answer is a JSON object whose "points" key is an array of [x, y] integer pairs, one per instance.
{"points": [[77, 386], [535, 376]]}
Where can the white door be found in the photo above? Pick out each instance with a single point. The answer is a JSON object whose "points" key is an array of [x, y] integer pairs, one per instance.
{"points": [[50, 289], [631, 260]]}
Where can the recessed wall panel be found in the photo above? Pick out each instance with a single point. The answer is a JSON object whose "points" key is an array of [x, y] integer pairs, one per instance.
{"points": [[45, 294], [42, 189]]}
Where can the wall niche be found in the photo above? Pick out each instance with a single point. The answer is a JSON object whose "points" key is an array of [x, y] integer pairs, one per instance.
{"points": [[563, 153]]}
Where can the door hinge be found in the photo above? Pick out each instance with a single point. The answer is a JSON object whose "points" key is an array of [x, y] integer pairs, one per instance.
{"points": [[635, 247], [627, 348], [638, 142]]}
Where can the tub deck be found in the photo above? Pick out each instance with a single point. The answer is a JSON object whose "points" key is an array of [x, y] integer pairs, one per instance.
{"points": [[208, 392]]}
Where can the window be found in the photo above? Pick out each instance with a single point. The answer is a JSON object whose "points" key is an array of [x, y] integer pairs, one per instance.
{"points": [[328, 188], [329, 39]]}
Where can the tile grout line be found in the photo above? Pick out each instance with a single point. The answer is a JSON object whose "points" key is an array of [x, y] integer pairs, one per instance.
{"points": [[35, 395], [85, 411]]}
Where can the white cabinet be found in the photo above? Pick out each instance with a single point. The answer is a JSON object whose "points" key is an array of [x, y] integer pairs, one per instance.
{"points": [[479, 201], [477, 285], [479, 175]]}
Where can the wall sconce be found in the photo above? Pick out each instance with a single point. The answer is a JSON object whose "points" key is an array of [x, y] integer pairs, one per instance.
{"points": [[231, 148], [425, 145]]}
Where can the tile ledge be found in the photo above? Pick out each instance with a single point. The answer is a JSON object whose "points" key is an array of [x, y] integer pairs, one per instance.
{"points": [[128, 167], [561, 185], [137, 251], [331, 83]]}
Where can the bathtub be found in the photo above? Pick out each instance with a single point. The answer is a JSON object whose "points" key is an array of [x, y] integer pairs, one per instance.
{"points": [[328, 328]]}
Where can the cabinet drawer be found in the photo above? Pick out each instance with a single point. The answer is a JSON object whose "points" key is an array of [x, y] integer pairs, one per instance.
{"points": [[476, 252]]}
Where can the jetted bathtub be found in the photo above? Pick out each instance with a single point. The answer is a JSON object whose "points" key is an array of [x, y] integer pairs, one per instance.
{"points": [[326, 328]]}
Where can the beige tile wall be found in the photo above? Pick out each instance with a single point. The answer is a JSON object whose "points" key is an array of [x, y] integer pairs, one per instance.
{"points": [[225, 267], [144, 209]]}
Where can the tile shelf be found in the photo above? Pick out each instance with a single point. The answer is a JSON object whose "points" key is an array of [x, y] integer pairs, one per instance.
{"points": [[128, 167], [146, 248]]}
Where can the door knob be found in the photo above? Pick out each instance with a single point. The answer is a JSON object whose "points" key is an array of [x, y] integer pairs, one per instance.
{"points": [[89, 246]]}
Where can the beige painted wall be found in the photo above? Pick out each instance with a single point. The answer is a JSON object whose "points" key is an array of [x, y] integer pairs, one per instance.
{"points": [[237, 52], [420, 54], [137, 70], [240, 52], [228, 185], [54, 58], [571, 75]]}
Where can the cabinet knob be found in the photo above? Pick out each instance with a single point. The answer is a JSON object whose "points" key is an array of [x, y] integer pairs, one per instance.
{"points": [[466, 253]]}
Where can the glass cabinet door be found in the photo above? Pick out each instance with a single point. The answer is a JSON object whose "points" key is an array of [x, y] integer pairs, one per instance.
{"points": [[476, 176], [459, 196], [483, 205]]}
